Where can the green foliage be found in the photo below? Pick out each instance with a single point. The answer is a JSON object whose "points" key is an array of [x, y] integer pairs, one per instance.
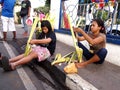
{"points": [[43, 9], [46, 8], [81, 23], [105, 15], [18, 15], [47, 3], [118, 21], [37, 32], [102, 14]]}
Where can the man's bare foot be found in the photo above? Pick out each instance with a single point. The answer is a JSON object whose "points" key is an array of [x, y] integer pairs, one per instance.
{"points": [[0, 60], [80, 65], [25, 34]]}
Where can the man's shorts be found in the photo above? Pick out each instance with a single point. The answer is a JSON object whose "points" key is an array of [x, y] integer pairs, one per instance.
{"points": [[8, 24]]}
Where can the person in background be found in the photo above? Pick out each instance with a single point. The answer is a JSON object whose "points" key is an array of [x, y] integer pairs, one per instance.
{"points": [[25, 13], [118, 10], [7, 17], [89, 18], [97, 42], [45, 47]]}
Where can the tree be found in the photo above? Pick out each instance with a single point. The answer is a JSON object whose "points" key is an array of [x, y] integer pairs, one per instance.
{"points": [[47, 3], [46, 8]]}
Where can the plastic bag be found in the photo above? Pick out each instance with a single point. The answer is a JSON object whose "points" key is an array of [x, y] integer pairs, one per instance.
{"points": [[29, 21], [71, 68]]}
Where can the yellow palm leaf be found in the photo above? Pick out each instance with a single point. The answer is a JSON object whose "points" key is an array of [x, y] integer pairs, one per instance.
{"points": [[78, 50], [28, 46]]}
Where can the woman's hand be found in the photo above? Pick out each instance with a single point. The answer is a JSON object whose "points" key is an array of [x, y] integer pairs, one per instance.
{"points": [[79, 38], [33, 41], [28, 15]]}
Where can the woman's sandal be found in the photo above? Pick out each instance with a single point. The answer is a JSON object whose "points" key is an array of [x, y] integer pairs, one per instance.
{"points": [[5, 64], [0, 60]]}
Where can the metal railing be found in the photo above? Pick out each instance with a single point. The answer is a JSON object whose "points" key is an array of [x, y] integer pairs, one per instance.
{"points": [[81, 14]]}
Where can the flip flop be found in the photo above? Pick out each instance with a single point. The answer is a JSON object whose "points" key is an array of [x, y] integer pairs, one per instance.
{"points": [[0, 54], [5, 64], [1, 58], [0, 63]]}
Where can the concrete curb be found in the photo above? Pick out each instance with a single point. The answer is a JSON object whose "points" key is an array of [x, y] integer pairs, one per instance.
{"points": [[75, 82], [67, 81], [55, 73]]}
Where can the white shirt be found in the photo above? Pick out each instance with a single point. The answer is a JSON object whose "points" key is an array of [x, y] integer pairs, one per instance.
{"points": [[89, 17]]}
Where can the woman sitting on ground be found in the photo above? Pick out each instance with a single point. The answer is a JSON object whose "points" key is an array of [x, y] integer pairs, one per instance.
{"points": [[45, 47], [97, 42]]}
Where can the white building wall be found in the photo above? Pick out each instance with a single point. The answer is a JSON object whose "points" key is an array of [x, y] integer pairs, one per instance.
{"points": [[55, 11]]}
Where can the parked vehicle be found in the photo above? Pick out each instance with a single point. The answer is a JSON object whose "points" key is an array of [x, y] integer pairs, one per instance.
{"points": [[113, 29]]}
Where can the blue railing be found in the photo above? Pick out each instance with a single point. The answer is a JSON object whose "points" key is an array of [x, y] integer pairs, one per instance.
{"points": [[79, 12]]}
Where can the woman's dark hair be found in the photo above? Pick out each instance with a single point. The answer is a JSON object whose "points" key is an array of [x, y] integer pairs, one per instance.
{"points": [[100, 23], [46, 23]]}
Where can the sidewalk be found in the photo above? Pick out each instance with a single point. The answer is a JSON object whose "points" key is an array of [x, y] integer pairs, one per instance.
{"points": [[92, 77], [113, 55]]}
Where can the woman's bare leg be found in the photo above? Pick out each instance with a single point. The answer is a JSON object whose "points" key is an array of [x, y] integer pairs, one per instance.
{"points": [[16, 58], [95, 58], [25, 60]]}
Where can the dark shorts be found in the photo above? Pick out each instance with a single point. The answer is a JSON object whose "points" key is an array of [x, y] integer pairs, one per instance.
{"points": [[87, 54]]}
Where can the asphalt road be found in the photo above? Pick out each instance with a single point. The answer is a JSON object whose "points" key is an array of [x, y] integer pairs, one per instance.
{"points": [[25, 77]]}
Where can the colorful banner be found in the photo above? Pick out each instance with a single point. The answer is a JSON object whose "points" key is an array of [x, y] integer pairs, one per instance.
{"points": [[102, 1]]}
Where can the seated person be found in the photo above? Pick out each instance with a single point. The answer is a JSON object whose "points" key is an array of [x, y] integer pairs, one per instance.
{"points": [[45, 47], [97, 41]]}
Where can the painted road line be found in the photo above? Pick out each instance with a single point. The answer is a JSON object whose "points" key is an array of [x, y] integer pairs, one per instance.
{"points": [[75, 82], [23, 75]]}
